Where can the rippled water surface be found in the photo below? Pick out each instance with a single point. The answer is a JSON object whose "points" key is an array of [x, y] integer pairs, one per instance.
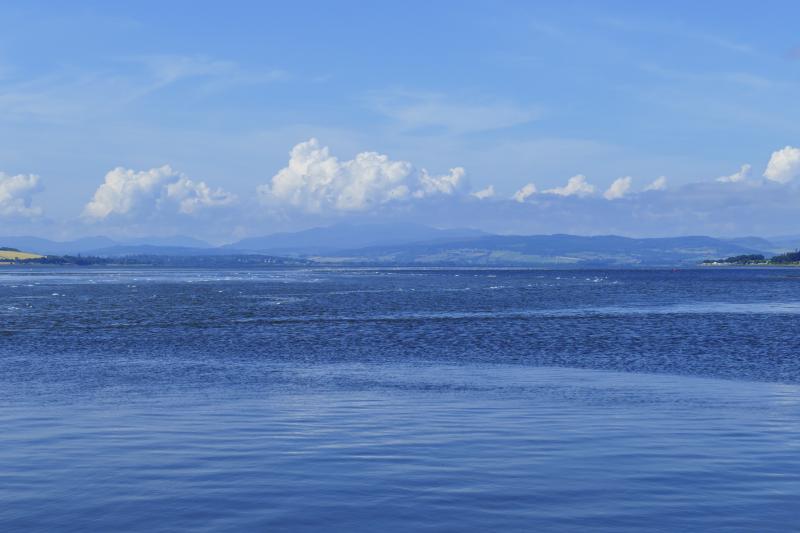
{"points": [[397, 400]]}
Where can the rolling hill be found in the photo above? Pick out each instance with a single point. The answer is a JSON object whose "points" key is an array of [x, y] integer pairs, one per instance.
{"points": [[546, 250], [11, 254], [385, 244], [330, 239]]}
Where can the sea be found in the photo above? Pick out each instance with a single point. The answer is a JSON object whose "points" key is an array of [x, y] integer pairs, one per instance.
{"points": [[397, 400]]}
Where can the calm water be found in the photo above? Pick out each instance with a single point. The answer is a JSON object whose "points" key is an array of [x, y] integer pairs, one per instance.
{"points": [[398, 400]]}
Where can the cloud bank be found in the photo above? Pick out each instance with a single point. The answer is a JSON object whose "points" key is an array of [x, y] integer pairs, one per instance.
{"points": [[16, 195], [318, 188], [128, 192], [315, 181]]}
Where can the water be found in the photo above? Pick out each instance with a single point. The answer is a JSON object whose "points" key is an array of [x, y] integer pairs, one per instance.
{"points": [[397, 400]]}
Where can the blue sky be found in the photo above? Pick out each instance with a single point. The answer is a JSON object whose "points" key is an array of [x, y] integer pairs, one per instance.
{"points": [[511, 92]]}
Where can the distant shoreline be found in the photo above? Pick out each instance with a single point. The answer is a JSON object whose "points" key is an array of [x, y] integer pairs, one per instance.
{"points": [[115, 264]]}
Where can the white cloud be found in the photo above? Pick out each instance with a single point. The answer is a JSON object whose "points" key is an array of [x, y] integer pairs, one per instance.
{"points": [[316, 181], [127, 191], [784, 165], [576, 186], [482, 194], [193, 196], [523, 194], [736, 177], [658, 184], [447, 184], [618, 189], [16, 193]]}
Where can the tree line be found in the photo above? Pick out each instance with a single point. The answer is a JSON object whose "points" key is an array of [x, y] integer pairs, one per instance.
{"points": [[757, 259]]}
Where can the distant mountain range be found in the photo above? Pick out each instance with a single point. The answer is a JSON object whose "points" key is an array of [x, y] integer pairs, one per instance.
{"points": [[332, 239], [549, 250], [98, 245], [385, 244]]}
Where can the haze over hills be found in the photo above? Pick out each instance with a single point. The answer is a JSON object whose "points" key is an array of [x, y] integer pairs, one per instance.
{"points": [[384, 244], [181, 241], [554, 250], [786, 242], [122, 250], [330, 239], [765, 246], [51, 247], [101, 246]]}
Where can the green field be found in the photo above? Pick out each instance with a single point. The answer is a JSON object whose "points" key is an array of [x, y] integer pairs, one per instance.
{"points": [[16, 256]]}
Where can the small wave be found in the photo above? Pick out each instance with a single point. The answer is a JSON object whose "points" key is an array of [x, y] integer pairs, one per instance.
{"points": [[272, 299], [704, 308]]}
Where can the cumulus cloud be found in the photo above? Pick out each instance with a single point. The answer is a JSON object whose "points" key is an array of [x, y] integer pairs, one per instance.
{"points": [[16, 195], [192, 196], [446, 184], [618, 188], [316, 181], [523, 194], [576, 186], [784, 165], [736, 177], [658, 184], [126, 191], [482, 194]]}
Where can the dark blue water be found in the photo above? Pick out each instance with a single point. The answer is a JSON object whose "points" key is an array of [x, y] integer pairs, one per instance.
{"points": [[397, 400]]}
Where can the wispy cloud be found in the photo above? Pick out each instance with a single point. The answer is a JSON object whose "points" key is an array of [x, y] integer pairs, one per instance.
{"points": [[738, 78], [81, 93], [437, 111], [726, 44], [678, 29], [212, 74]]}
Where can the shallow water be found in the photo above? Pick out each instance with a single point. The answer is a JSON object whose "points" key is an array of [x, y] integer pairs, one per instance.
{"points": [[436, 400]]}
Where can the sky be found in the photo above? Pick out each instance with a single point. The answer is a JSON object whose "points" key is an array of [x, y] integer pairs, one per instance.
{"points": [[228, 120]]}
